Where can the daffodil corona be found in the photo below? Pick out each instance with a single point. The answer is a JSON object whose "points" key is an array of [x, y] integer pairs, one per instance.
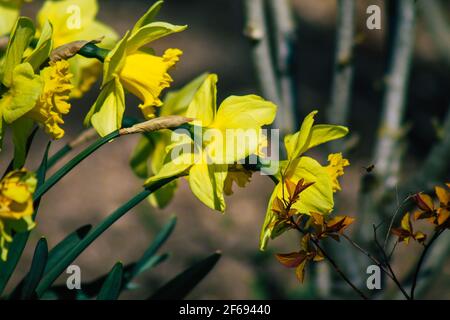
{"points": [[53, 101], [129, 66], [145, 76]]}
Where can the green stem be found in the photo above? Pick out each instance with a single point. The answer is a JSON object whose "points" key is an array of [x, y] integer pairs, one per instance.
{"points": [[59, 268], [127, 122], [58, 155], [58, 175], [90, 50]]}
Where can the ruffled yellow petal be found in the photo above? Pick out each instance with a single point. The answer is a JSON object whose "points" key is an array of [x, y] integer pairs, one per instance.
{"points": [[16, 207], [53, 102], [336, 169], [145, 76], [16, 195]]}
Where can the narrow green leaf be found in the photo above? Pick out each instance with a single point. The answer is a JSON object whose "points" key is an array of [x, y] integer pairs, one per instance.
{"points": [[22, 136], [149, 254], [113, 283], [67, 244], [27, 288], [180, 286], [53, 274]]}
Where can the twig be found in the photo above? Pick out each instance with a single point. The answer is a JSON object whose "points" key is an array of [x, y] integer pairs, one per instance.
{"points": [[422, 259], [343, 66], [393, 249], [338, 270], [332, 262], [399, 207], [387, 155], [368, 254], [388, 265], [389, 272]]}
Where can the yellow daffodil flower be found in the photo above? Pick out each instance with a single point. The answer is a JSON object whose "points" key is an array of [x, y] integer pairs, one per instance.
{"points": [[74, 20], [318, 197], [27, 97], [52, 103], [21, 87], [16, 206], [207, 162], [148, 157], [130, 66]]}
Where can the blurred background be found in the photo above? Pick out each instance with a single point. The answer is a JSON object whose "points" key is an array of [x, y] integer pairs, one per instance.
{"points": [[215, 42]]}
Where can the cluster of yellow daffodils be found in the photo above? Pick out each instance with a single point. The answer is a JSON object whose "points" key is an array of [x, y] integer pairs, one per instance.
{"points": [[128, 65], [74, 20], [207, 160], [322, 181], [16, 206], [31, 93]]}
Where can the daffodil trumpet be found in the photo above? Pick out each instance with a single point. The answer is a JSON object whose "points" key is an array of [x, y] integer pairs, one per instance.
{"points": [[129, 67]]}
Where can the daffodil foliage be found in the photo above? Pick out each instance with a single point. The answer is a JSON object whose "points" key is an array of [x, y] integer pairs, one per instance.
{"points": [[56, 57]]}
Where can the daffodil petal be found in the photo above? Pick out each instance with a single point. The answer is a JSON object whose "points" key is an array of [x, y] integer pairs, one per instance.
{"points": [[25, 89], [206, 182], [150, 33], [266, 231], [107, 112], [298, 143], [203, 106], [176, 102], [68, 17], [172, 168], [244, 112], [20, 38], [319, 134], [319, 196]]}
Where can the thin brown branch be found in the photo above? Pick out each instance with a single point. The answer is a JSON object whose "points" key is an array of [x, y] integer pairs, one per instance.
{"points": [[422, 259], [338, 270], [388, 265], [332, 263]]}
